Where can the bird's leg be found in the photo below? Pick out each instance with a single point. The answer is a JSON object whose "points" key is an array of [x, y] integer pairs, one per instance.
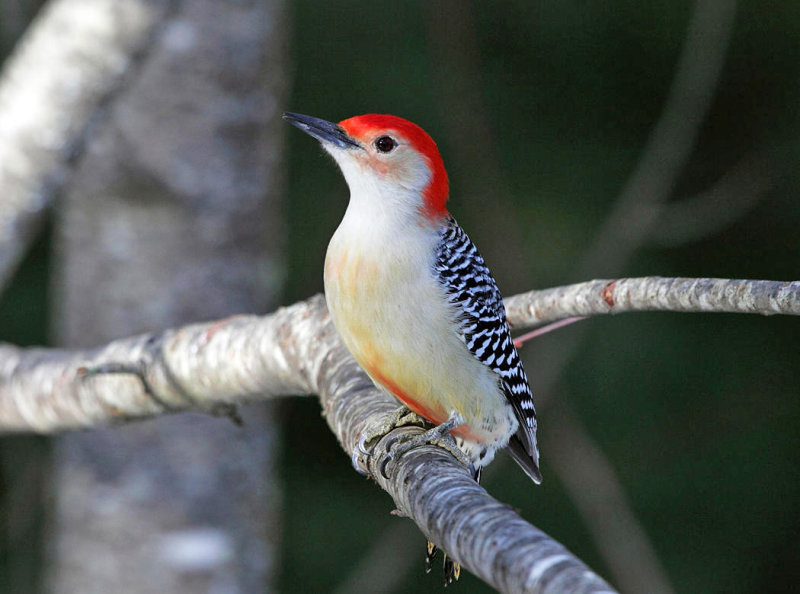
{"points": [[436, 436], [401, 417], [404, 416]]}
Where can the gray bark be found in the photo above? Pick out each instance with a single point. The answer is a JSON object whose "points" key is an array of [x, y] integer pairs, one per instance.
{"points": [[653, 293], [213, 366], [296, 351], [172, 216], [293, 351], [72, 60]]}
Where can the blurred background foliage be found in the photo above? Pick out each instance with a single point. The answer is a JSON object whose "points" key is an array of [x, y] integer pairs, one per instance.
{"points": [[542, 111]]}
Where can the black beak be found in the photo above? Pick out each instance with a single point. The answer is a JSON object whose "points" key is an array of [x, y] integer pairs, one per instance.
{"points": [[322, 130]]}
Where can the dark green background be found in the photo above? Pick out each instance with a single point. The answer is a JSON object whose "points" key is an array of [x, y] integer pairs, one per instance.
{"points": [[698, 414]]}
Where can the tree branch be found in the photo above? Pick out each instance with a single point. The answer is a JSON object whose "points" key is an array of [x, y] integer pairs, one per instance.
{"points": [[72, 61], [653, 293], [246, 358], [296, 350], [438, 493], [293, 351], [201, 367], [243, 358]]}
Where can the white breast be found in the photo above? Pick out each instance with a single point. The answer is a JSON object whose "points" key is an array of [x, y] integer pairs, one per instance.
{"points": [[392, 314]]}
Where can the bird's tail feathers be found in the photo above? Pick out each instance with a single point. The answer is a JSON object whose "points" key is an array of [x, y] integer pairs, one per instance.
{"points": [[529, 461]]}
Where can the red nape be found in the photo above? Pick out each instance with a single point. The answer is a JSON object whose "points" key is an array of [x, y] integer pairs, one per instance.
{"points": [[374, 124]]}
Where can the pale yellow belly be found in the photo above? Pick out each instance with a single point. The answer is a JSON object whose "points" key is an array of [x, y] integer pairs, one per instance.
{"points": [[395, 321]]}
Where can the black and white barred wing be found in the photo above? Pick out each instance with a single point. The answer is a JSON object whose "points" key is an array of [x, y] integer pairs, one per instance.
{"points": [[484, 330]]}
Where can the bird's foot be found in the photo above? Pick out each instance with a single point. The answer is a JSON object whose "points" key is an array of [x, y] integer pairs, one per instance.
{"points": [[401, 417], [439, 436], [451, 569], [430, 556]]}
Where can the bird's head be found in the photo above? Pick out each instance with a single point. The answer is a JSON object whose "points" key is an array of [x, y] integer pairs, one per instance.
{"points": [[384, 158]]}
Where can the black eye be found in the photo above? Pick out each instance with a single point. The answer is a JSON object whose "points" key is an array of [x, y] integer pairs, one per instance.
{"points": [[385, 144]]}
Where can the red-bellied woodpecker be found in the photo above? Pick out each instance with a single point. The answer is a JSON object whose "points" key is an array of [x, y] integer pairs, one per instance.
{"points": [[413, 299]]}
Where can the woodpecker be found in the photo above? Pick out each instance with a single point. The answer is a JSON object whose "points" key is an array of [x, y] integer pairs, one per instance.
{"points": [[411, 296]]}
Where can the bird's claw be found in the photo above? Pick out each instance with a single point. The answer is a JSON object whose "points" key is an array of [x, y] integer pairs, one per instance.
{"points": [[384, 463], [390, 455], [362, 442], [362, 450], [443, 441], [439, 435], [359, 467], [451, 570], [401, 417]]}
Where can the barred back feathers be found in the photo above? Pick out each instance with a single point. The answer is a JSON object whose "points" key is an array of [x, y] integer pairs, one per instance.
{"points": [[483, 327]]}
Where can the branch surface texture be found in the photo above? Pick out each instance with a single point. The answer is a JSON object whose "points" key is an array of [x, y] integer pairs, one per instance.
{"points": [[296, 350], [70, 62], [653, 293]]}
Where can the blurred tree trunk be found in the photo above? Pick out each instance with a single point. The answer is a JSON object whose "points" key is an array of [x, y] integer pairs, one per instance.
{"points": [[174, 216]]}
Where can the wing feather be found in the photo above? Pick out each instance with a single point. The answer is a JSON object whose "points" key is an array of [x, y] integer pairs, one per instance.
{"points": [[483, 328]]}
